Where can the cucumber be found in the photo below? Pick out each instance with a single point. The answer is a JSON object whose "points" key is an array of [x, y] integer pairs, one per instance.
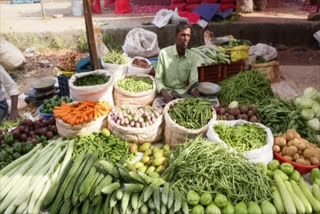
{"points": [[171, 210], [151, 204], [297, 202], [177, 200], [145, 178], [113, 199], [165, 193], [302, 197], [135, 176], [105, 181], [185, 207], [134, 200], [85, 207], [316, 191], [110, 188], [163, 209], [253, 208], [96, 183], [98, 208], [283, 176], [125, 201], [134, 187], [144, 209], [285, 195], [170, 198], [268, 208], [124, 174], [97, 200], [86, 186], [277, 201], [151, 188], [308, 194], [157, 200], [107, 168], [75, 210], [119, 194], [66, 207]]}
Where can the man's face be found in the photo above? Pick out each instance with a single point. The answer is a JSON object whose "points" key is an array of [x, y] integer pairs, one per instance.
{"points": [[183, 38]]}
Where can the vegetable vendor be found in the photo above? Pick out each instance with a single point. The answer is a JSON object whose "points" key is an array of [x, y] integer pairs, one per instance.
{"points": [[9, 86], [176, 66]]}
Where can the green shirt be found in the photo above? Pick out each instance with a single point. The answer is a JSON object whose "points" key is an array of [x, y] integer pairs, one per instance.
{"points": [[173, 71]]}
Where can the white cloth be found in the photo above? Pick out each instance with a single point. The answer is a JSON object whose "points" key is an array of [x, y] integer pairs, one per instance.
{"points": [[7, 85]]}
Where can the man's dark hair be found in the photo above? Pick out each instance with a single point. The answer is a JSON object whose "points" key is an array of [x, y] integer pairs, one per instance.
{"points": [[182, 26]]}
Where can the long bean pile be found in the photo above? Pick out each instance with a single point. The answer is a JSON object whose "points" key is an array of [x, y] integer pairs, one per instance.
{"points": [[247, 88], [111, 148], [201, 165], [280, 115], [136, 84], [242, 138], [192, 113]]}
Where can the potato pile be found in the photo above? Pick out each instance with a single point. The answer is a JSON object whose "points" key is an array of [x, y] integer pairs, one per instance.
{"points": [[294, 148]]}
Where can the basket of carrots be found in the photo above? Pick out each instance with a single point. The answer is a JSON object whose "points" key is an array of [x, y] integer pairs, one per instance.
{"points": [[81, 118]]}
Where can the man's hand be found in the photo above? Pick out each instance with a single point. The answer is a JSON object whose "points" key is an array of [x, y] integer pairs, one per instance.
{"points": [[166, 96], [196, 93], [13, 116]]}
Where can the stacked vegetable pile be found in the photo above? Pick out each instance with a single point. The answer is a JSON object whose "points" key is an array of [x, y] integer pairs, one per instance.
{"points": [[25, 183], [114, 57], [154, 160], [8, 124], [49, 104], [203, 166], [294, 148], [280, 115], [135, 117], [109, 147], [81, 112], [243, 137], [235, 112], [91, 80], [192, 113], [141, 63], [291, 193], [248, 88], [209, 55], [135, 84], [309, 104], [236, 42]]}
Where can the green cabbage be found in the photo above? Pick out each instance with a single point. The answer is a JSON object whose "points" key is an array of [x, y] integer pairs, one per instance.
{"points": [[314, 124], [307, 114], [305, 102], [316, 109], [234, 104], [311, 93]]}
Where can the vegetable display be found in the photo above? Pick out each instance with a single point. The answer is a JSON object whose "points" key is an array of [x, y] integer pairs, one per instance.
{"points": [[115, 57], [8, 124], [135, 117], [204, 166], [309, 104], [141, 63], [192, 113], [236, 42], [49, 104], [208, 55], [248, 88], [81, 112], [248, 113], [91, 80], [135, 84], [294, 148], [242, 138], [280, 115], [33, 175], [109, 147]]}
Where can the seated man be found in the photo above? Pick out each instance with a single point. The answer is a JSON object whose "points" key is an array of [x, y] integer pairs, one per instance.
{"points": [[176, 66], [12, 89]]}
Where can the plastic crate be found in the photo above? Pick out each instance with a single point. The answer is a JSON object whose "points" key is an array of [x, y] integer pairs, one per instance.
{"points": [[217, 73], [64, 85]]}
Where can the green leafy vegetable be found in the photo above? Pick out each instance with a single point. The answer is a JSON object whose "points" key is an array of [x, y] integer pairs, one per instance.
{"points": [[115, 57], [91, 80], [136, 84]]}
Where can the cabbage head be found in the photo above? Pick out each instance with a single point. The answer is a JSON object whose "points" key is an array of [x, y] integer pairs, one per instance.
{"points": [[311, 92], [307, 114], [316, 109], [314, 124]]}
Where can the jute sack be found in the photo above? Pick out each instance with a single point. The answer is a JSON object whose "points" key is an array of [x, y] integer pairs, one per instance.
{"points": [[151, 133], [269, 69], [123, 97], [69, 131], [174, 133]]}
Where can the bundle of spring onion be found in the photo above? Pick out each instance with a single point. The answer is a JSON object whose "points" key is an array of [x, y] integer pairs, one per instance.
{"points": [[26, 181], [200, 165], [208, 55]]}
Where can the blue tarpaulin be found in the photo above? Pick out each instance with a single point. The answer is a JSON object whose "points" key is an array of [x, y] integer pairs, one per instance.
{"points": [[207, 11], [220, 16]]}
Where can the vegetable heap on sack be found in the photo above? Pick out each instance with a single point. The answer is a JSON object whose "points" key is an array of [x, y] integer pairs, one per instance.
{"points": [[247, 88], [294, 148], [91, 80], [81, 112], [8, 124], [191, 113], [49, 104], [135, 117], [242, 137], [309, 104], [154, 160], [208, 55], [115, 57], [141, 63], [236, 112], [135, 84]]}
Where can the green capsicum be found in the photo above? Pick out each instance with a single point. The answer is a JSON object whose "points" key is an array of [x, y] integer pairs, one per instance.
{"points": [[287, 168], [273, 165], [296, 176], [315, 174]]}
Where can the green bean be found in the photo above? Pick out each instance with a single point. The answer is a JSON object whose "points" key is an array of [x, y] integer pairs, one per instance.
{"points": [[115, 57], [136, 84], [205, 166]]}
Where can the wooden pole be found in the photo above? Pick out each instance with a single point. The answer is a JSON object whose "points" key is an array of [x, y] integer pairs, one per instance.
{"points": [[90, 35], [43, 9]]}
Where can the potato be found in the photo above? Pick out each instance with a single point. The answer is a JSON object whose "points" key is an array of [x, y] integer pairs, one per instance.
{"points": [[314, 160], [288, 157], [284, 150], [276, 148], [289, 136], [308, 163], [291, 150], [308, 153], [301, 161], [290, 143], [317, 153], [280, 141], [296, 156], [299, 144]]}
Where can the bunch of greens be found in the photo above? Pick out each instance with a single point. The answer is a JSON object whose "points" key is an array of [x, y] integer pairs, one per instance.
{"points": [[91, 80]]}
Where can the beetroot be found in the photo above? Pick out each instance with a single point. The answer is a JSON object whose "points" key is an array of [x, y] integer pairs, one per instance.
{"points": [[23, 137], [34, 141], [49, 134], [254, 119]]}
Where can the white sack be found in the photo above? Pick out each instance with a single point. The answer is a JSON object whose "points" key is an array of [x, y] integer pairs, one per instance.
{"points": [[10, 56], [267, 52]]}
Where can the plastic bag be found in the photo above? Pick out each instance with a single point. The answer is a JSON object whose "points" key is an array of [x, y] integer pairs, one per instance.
{"points": [[162, 18], [134, 69], [263, 154], [267, 52], [176, 18], [10, 56], [141, 42]]}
